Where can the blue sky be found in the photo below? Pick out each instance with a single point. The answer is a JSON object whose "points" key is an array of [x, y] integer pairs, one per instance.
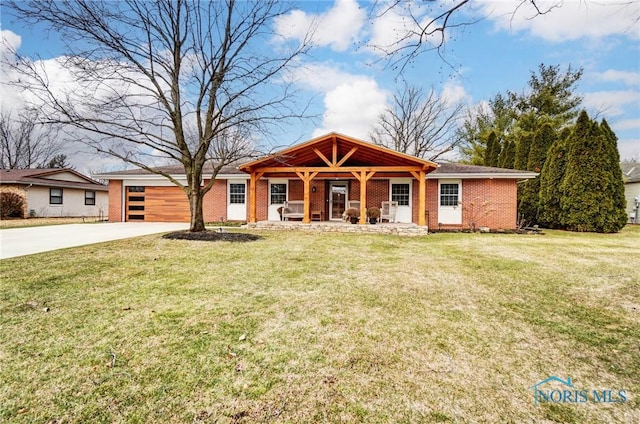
{"points": [[348, 86]]}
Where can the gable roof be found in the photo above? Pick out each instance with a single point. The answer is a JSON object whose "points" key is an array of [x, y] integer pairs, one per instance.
{"points": [[333, 147], [631, 172], [45, 177]]}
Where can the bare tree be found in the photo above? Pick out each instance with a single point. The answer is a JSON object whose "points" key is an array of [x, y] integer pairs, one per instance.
{"points": [[24, 143], [172, 80], [418, 123], [428, 24]]}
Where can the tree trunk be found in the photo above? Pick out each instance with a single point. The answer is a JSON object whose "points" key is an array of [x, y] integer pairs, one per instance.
{"points": [[195, 206]]}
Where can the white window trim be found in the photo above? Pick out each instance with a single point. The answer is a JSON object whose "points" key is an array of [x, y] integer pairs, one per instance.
{"points": [[403, 181], [459, 183], [279, 181], [239, 182]]}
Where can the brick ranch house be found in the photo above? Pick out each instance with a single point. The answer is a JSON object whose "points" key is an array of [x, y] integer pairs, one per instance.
{"points": [[324, 175]]}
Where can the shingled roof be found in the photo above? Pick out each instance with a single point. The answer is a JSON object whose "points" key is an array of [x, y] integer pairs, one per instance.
{"points": [[631, 172], [171, 170], [43, 177], [460, 170]]}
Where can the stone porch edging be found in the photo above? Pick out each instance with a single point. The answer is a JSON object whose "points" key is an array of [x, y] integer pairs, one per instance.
{"points": [[341, 227]]}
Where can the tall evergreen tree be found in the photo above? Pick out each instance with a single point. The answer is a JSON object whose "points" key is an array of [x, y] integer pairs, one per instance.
{"points": [[551, 95], [507, 155], [522, 151], [550, 195], [587, 202], [498, 116], [529, 196], [611, 161], [492, 152]]}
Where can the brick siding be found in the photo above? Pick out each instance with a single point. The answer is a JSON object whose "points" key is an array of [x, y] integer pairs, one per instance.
{"points": [[214, 206], [485, 202]]}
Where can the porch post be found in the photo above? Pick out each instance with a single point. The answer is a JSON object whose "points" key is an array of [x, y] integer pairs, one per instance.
{"points": [[422, 195], [422, 198], [363, 197], [252, 198], [306, 180]]}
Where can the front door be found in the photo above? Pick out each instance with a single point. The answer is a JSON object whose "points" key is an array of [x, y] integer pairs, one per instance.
{"points": [[337, 199], [236, 200], [449, 202]]}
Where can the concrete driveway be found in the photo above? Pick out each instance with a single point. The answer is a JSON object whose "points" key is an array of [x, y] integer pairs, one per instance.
{"points": [[26, 241]]}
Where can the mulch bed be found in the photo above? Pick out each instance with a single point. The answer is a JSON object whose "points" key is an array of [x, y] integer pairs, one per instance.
{"points": [[211, 236]]}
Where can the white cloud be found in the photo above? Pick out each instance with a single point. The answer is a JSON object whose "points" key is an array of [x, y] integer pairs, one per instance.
{"points": [[454, 93], [353, 108], [399, 25], [626, 77], [338, 27], [570, 20], [322, 76], [626, 124], [9, 41], [611, 103], [629, 148]]}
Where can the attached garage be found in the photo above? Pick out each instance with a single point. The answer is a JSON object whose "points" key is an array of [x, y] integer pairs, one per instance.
{"points": [[156, 204], [139, 196]]}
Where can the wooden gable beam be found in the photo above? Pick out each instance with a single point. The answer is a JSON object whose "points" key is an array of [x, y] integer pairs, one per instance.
{"points": [[334, 151], [323, 157], [347, 156], [284, 169]]}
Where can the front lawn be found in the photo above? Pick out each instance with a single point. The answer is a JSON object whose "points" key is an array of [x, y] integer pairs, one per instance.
{"points": [[322, 328]]}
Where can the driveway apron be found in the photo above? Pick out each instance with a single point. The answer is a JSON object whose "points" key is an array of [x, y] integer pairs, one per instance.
{"points": [[26, 241]]}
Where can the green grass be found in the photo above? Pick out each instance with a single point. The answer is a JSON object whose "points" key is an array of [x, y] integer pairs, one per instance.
{"points": [[321, 328], [39, 222]]}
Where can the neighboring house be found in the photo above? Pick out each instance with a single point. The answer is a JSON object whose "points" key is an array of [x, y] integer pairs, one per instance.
{"points": [[58, 192], [325, 174], [631, 177]]}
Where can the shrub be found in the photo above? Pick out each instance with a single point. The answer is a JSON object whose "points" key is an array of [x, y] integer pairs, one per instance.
{"points": [[352, 213], [11, 205], [373, 212]]}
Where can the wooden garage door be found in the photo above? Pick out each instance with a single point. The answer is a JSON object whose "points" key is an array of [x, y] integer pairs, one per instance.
{"points": [[158, 204]]}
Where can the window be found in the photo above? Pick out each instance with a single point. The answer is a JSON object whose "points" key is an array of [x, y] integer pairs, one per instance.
{"points": [[449, 194], [236, 193], [135, 189], [55, 196], [278, 194], [89, 197], [400, 194]]}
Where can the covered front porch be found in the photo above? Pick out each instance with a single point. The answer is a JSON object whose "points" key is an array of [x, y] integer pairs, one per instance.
{"points": [[328, 175]]}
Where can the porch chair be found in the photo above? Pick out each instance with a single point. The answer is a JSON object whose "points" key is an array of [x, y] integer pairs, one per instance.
{"points": [[388, 211]]}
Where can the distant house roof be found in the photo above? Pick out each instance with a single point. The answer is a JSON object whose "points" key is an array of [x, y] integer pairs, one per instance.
{"points": [[50, 177], [631, 172], [459, 170]]}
